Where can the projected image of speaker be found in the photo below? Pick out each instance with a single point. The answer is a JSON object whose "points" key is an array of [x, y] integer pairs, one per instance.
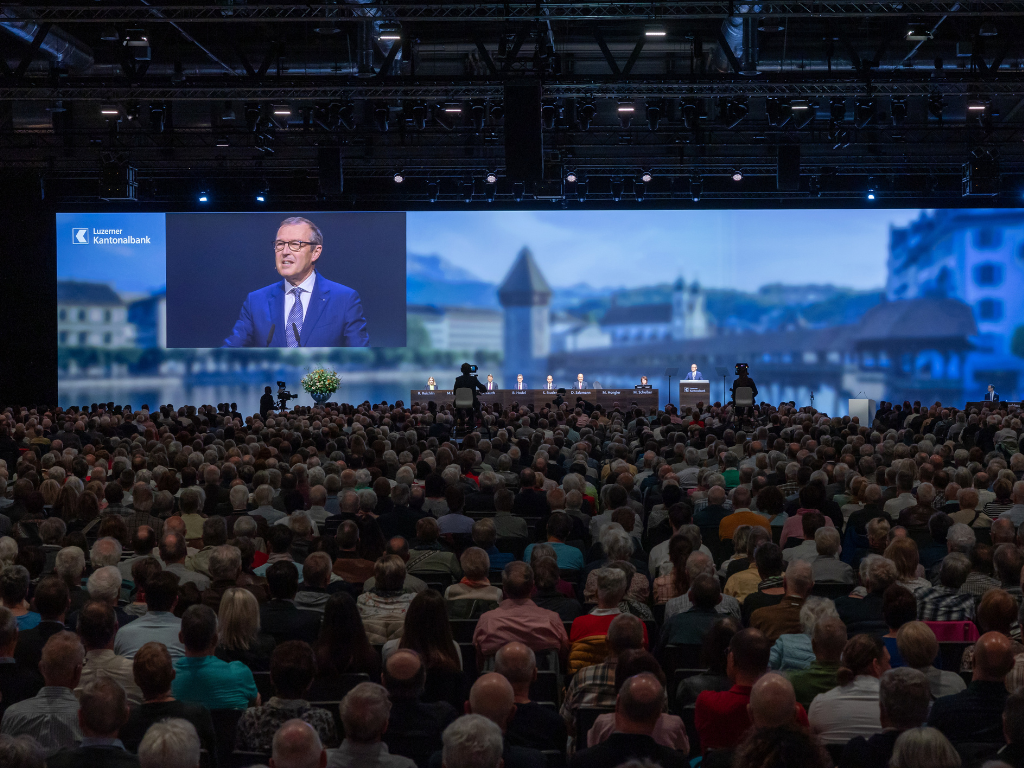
{"points": [[787, 171], [524, 138]]}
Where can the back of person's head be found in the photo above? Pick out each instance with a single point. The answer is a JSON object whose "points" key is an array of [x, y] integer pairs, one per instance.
{"points": [[283, 580], [404, 674], [14, 584], [364, 713], [772, 702], [640, 701], [904, 698], [493, 697], [955, 569], [62, 659], [828, 639], [226, 562], [475, 564], [1013, 718], [198, 628], [103, 707], [781, 747], [625, 632], [153, 670], [21, 752], [472, 741], [297, 745], [292, 667], [162, 591], [611, 586], [749, 650], [768, 558], [484, 533], [993, 656], [863, 655], [917, 644], [516, 662], [170, 743], [898, 606], [51, 597], [799, 578], [706, 592], [924, 748], [316, 570], [389, 573], [97, 625], [997, 612], [517, 580]]}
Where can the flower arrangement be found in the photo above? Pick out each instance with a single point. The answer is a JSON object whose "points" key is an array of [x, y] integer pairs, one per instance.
{"points": [[321, 383]]}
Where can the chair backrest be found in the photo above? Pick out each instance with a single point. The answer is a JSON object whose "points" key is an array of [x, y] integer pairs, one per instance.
{"points": [[831, 590], [954, 631], [463, 629], [743, 396], [463, 397], [225, 723], [264, 684], [245, 759], [585, 718]]}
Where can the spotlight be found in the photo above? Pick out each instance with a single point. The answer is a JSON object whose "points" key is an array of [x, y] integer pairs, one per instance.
{"points": [[571, 177], [433, 188], [936, 104], [814, 186], [638, 192], [228, 113], [282, 110], [734, 112], [918, 32], [779, 111], [204, 197], [587, 112], [222, 141], [581, 191], [381, 117], [491, 177], [110, 35], [898, 111], [803, 112], [347, 116], [178, 76], [399, 177], [655, 30], [388, 32], [260, 197], [799, 104], [976, 106], [988, 29], [548, 115], [518, 191], [419, 115], [691, 114], [871, 195], [491, 190], [110, 110], [136, 45], [696, 188], [452, 108], [646, 177], [478, 115], [864, 112], [617, 187], [626, 110], [497, 112], [653, 115], [737, 175], [467, 190]]}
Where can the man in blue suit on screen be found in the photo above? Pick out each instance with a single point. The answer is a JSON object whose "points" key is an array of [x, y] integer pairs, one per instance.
{"points": [[305, 309]]}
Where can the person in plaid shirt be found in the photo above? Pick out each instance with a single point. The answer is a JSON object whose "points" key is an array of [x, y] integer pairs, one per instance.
{"points": [[944, 602]]}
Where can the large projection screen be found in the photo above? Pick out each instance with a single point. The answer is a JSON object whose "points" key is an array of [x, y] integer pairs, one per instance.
{"points": [[886, 304]]}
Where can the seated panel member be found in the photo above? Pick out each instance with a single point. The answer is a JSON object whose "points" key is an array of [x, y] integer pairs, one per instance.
{"points": [[520, 384], [580, 383], [490, 383], [694, 374], [431, 384], [326, 314], [550, 385], [643, 384]]}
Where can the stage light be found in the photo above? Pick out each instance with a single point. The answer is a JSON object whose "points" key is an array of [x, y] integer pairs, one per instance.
{"points": [[399, 177], [498, 112], [110, 110], [491, 178], [646, 177], [779, 111], [617, 187], [204, 197], [837, 109], [988, 29], [799, 104], [137, 45], [389, 32], [260, 198], [178, 76], [228, 113], [655, 30], [814, 186], [453, 108], [571, 177], [918, 32], [467, 190], [638, 192], [974, 105], [381, 117], [653, 115], [936, 104], [110, 35], [518, 191], [864, 112], [626, 110], [478, 115], [419, 115], [587, 112], [282, 110], [871, 195], [696, 188], [737, 175], [433, 189], [581, 191], [548, 115], [734, 112], [222, 141], [898, 111]]}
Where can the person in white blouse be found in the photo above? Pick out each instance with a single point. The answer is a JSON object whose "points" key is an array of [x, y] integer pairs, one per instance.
{"points": [[851, 708]]}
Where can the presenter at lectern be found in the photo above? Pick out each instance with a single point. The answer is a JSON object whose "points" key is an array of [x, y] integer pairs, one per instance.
{"points": [[694, 374], [992, 395], [490, 382]]}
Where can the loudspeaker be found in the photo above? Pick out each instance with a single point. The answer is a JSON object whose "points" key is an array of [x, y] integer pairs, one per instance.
{"points": [[524, 138], [332, 180], [787, 171]]}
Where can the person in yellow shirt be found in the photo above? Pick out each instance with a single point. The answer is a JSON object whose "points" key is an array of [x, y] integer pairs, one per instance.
{"points": [[741, 516]]}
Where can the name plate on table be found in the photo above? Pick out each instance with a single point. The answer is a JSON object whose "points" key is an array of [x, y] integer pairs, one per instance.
{"points": [[433, 393]]}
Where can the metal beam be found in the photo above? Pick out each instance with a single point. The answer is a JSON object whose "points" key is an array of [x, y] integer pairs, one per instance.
{"points": [[475, 11], [41, 33]]}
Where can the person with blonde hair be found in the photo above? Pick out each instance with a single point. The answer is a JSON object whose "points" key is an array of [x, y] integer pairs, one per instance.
{"points": [[903, 552], [238, 622], [924, 748], [919, 648]]}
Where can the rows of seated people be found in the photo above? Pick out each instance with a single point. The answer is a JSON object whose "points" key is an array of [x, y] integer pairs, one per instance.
{"points": [[358, 586]]}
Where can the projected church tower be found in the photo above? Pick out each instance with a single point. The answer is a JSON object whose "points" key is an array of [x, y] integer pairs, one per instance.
{"points": [[525, 296]]}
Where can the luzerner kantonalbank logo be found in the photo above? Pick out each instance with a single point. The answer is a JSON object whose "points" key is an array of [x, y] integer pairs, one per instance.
{"points": [[83, 236]]}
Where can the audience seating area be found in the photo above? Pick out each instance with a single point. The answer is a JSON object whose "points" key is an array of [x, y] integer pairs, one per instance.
{"points": [[381, 585]]}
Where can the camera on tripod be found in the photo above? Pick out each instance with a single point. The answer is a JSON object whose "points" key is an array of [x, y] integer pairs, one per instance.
{"points": [[283, 396]]}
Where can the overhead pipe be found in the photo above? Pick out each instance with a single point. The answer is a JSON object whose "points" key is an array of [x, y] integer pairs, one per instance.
{"points": [[58, 45], [739, 32]]}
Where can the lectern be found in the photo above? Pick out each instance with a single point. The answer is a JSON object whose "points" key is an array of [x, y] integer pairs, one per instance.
{"points": [[695, 391], [863, 409]]}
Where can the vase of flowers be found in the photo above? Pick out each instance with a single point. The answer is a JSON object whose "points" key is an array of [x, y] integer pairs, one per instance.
{"points": [[321, 383]]}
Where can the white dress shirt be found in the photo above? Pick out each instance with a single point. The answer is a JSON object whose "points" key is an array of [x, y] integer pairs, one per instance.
{"points": [[307, 292], [846, 711]]}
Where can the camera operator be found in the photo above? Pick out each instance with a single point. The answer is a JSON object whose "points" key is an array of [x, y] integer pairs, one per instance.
{"points": [[743, 380], [469, 380], [266, 402]]}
